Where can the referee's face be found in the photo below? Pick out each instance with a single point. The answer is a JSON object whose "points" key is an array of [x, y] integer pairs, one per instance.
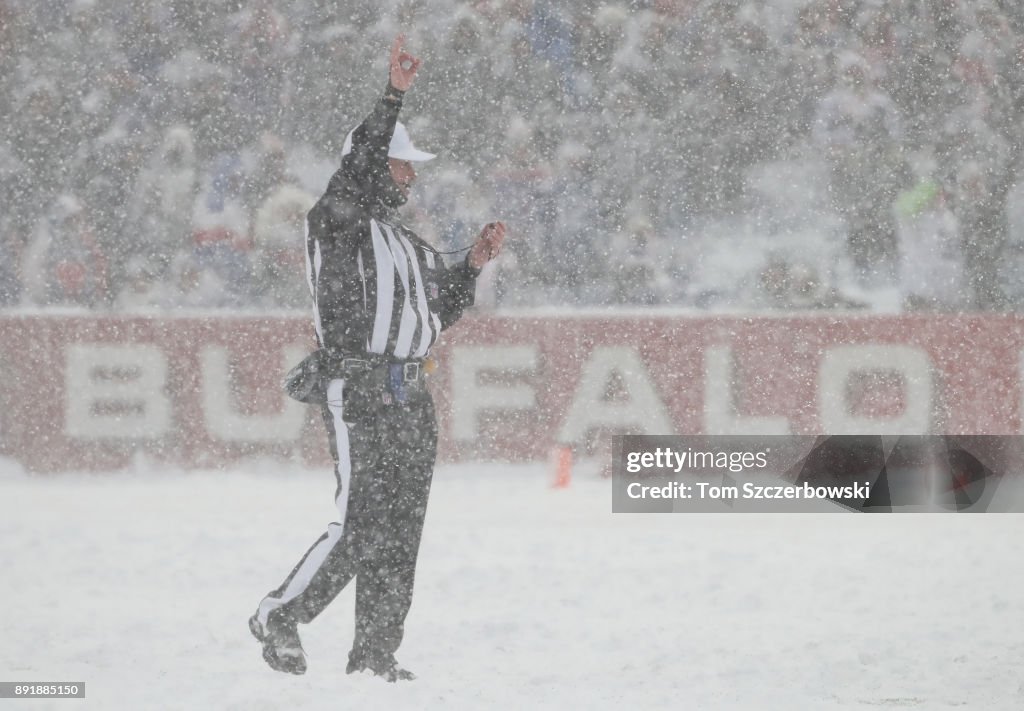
{"points": [[402, 173]]}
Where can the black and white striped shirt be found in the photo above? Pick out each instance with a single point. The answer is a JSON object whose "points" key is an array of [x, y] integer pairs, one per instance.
{"points": [[377, 288]]}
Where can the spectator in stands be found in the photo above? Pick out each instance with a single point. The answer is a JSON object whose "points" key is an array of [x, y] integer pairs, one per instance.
{"points": [[260, 43], [265, 167], [65, 259], [880, 41], [582, 252], [10, 239], [773, 283], [602, 33], [161, 210], [278, 252], [220, 226], [858, 128], [931, 255], [550, 38], [528, 82], [319, 94], [522, 186], [10, 280], [107, 181], [8, 42], [637, 267], [36, 132], [979, 165]]}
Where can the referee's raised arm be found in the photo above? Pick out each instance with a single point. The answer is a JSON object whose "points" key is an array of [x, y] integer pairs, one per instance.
{"points": [[365, 153]]}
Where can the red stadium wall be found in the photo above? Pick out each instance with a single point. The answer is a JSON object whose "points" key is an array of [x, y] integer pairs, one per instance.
{"points": [[92, 392]]}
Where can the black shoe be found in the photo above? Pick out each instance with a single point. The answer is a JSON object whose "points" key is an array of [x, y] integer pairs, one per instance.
{"points": [[282, 648], [385, 666]]}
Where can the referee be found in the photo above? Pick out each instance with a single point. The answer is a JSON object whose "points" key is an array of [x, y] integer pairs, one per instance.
{"points": [[381, 297]]}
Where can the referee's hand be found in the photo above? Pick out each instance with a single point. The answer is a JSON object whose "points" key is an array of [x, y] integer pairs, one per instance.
{"points": [[487, 245], [402, 65]]}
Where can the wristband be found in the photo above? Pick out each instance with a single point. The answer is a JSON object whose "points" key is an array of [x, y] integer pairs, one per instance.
{"points": [[393, 95]]}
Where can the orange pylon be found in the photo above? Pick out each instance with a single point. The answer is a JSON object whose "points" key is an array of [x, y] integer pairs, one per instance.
{"points": [[563, 466]]}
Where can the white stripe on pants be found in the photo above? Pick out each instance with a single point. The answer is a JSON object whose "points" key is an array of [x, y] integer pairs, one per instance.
{"points": [[318, 554]]}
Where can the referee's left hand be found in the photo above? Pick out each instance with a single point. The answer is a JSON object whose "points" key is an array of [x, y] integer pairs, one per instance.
{"points": [[402, 65], [487, 245]]}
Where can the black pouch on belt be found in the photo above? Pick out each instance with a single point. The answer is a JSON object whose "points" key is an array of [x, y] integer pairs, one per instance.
{"points": [[306, 382], [383, 384]]}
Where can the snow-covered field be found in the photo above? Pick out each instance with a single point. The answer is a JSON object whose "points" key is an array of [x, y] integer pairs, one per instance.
{"points": [[140, 584]]}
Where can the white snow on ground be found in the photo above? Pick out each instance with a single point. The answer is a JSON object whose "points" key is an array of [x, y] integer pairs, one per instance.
{"points": [[140, 584]]}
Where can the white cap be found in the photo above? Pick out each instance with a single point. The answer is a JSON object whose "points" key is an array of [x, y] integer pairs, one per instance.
{"points": [[401, 146]]}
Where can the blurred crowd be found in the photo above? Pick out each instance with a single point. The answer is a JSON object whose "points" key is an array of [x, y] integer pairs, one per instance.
{"points": [[790, 154]]}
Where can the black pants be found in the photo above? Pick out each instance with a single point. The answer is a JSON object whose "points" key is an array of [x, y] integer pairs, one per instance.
{"points": [[383, 450]]}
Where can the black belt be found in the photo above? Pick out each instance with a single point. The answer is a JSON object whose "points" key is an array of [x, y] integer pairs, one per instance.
{"points": [[412, 371]]}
